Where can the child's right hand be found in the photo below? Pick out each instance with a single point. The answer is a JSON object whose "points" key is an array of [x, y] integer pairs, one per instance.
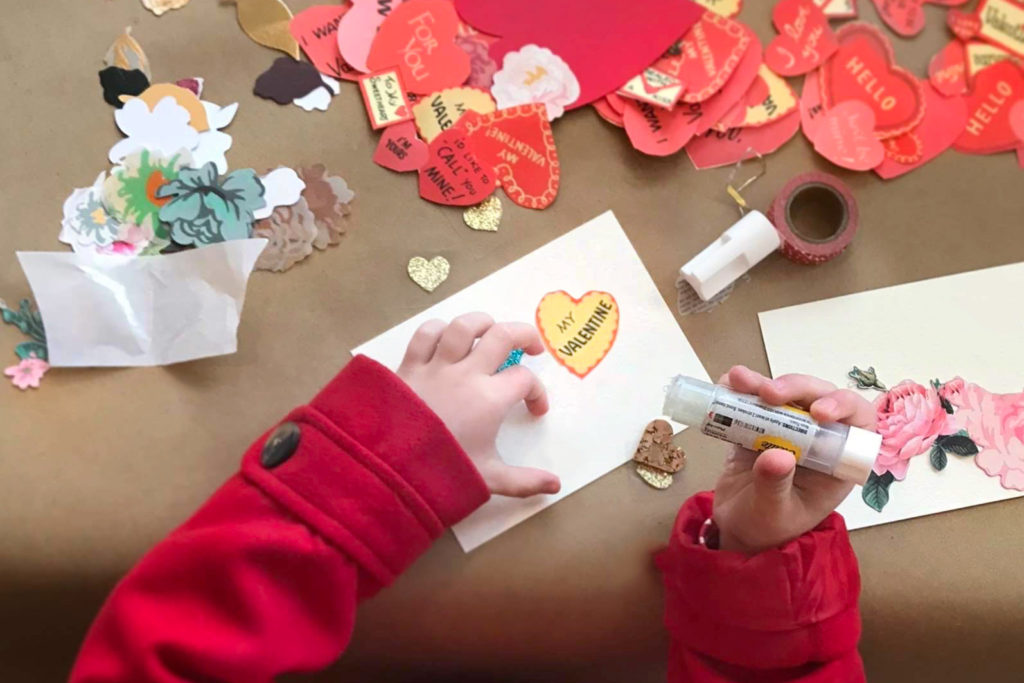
{"points": [[764, 501], [455, 377]]}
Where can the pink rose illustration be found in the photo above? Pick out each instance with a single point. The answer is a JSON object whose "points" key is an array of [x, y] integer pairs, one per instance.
{"points": [[482, 66], [535, 74], [995, 422], [910, 416]]}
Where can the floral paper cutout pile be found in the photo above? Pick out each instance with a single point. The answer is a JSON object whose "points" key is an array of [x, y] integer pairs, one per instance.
{"points": [[32, 354]]}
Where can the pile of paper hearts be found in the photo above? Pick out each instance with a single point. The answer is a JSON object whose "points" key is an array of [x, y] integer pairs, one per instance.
{"points": [[170, 188]]}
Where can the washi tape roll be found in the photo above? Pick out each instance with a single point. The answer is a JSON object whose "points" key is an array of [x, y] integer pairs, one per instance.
{"points": [[816, 216]]}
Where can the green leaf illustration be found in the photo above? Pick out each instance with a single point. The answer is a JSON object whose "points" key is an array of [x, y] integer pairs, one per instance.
{"points": [[957, 445], [31, 349], [938, 457], [946, 405], [26, 319], [876, 490]]}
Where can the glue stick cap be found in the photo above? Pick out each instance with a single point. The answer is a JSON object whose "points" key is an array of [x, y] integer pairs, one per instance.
{"points": [[858, 456], [687, 400], [739, 249]]}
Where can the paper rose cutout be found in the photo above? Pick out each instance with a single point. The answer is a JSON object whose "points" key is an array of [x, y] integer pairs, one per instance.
{"points": [[27, 373], [535, 74], [328, 198], [166, 129], [204, 209], [130, 192], [290, 231], [910, 416], [482, 66], [87, 224], [995, 422]]}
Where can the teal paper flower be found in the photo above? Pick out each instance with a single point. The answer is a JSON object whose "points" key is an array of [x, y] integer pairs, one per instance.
{"points": [[204, 209]]}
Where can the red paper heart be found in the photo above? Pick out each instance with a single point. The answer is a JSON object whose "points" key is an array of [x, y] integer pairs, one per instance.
{"points": [[811, 108], [863, 69], [604, 42], [964, 25], [518, 144], [943, 122], [400, 149], [453, 174], [419, 38], [616, 102], [708, 56], [316, 29], [805, 39], [713, 149], [997, 90], [846, 136], [708, 113], [947, 71], [357, 29], [1017, 120]]}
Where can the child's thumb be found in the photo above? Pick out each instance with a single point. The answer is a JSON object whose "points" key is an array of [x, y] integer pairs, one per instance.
{"points": [[773, 474], [519, 482]]}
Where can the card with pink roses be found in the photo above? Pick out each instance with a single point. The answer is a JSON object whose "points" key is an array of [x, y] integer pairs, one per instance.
{"points": [[952, 412]]}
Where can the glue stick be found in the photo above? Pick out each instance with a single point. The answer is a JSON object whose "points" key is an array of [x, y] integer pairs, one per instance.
{"points": [[834, 448]]}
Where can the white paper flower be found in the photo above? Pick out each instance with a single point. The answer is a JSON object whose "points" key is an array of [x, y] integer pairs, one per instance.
{"points": [[535, 74], [165, 129], [320, 98], [87, 225], [213, 144], [281, 187]]}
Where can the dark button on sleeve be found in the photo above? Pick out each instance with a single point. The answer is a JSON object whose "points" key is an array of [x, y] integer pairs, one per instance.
{"points": [[281, 444]]}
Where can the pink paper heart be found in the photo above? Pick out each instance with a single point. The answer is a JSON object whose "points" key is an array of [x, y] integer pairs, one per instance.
{"points": [[358, 28], [846, 136], [400, 149], [1017, 120], [943, 122], [713, 149]]}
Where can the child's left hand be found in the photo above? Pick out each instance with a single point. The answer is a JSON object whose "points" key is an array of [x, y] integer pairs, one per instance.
{"points": [[455, 377]]}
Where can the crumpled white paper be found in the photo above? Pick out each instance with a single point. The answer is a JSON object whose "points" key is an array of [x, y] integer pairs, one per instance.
{"points": [[112, 310]]}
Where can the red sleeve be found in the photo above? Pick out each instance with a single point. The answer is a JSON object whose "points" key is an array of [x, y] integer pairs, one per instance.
{"points": [[264, 579], [785, 615]]}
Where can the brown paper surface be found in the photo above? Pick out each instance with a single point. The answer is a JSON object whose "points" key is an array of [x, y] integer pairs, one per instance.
{"points": [[97, 465]]}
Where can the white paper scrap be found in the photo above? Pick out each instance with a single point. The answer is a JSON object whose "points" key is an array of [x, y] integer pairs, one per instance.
{"points": [[113, 310], [595, 422]]}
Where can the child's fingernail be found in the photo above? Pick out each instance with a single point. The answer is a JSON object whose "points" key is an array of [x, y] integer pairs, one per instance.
{"points": [[826, 405]]}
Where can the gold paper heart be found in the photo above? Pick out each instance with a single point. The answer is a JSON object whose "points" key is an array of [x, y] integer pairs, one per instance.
{"points": [[484, 216], [158, 7], [579, 333], [656, 450], [429, 274], [654, 478]]}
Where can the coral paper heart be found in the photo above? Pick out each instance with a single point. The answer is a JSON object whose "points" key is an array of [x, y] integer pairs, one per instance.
{"points": [[419, 38], [805, 39], [656, 131], [905, 17], [947, 70], [943, 122], [964, 25], [453, 174], [579, 333], [708, 55], [316, 29], [863, 69], [1017, 121], [997, 91], [399, 149], [713, 149], [518, 144], [604, 42], [846, 137]]}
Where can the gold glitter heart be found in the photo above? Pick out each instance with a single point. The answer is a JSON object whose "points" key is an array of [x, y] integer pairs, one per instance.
{"points": [[429, 274], [485, 215], [656, 450], [654, 478]]}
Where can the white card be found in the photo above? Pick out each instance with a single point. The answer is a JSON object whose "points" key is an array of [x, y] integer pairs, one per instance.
{"points": [[595, 422], [962, 325]]}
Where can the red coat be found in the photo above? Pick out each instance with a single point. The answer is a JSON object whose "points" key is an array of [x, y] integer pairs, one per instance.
{"points": [[265, 578]]}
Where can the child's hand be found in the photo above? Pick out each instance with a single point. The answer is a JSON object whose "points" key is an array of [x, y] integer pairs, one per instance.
{"points": [[454, 375], [763, 501]]}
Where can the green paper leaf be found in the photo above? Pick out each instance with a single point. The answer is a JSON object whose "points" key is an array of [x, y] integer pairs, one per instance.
{"points": [[876, 490], [958, 445], [938, 457], [31, 349], [26, 319]]}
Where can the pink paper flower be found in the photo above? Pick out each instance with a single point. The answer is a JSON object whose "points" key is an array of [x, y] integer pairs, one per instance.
{"points": [[995, 422], [535, 74], [27, 373], [910, 416]]}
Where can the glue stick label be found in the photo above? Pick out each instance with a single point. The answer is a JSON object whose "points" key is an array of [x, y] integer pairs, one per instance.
{"points": [[751, 424]]}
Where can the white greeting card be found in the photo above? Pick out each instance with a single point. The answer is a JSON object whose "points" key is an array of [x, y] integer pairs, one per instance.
{"points": [[956, 326], [613, 347]]}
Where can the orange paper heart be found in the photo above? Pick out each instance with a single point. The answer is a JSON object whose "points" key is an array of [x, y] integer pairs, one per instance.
{"points": [[579, 333]]}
